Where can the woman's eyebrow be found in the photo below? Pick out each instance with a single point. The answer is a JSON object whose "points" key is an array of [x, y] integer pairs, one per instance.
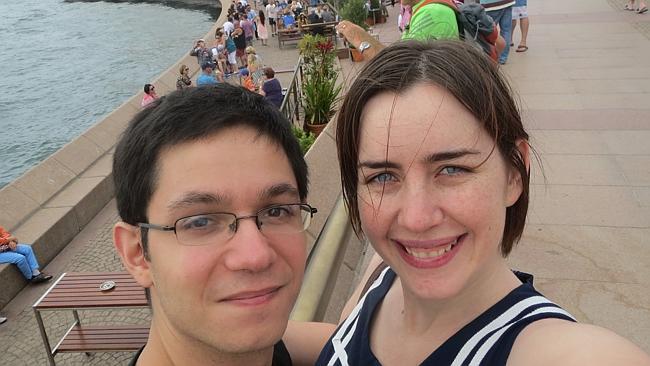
{"points": [[449, 155], [379, 164]]}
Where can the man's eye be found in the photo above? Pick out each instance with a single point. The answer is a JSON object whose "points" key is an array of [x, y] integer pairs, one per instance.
{"points": [[278, 212], [200, 222], [452, 170]]}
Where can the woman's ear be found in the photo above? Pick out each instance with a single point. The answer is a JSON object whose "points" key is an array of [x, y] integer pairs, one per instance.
{"points": [[515, 180], [128, 243]]}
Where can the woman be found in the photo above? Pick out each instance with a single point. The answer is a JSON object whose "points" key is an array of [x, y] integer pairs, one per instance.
{"points": [[239, 39], [183, 81], [271, 88], [434, 162], [261, 28], [149, 95]]}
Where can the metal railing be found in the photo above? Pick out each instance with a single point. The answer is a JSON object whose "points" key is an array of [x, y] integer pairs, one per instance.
{"points": [[292, 102]]}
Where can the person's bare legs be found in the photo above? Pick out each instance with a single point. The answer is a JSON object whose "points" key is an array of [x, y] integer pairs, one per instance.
{"points": [[512, 32], [523, 25]]}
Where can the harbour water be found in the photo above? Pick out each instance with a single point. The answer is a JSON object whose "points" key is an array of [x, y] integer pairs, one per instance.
{"points": [[67, 64]]}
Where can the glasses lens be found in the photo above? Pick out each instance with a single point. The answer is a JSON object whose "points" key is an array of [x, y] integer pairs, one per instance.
{"points": [[205, 229], [292, 218]]}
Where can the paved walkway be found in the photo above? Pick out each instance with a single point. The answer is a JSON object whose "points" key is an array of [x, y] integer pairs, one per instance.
{"points": [[584, 89]]}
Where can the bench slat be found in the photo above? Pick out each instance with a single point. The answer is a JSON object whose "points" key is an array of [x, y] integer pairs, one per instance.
{"points": [[104, 339]]}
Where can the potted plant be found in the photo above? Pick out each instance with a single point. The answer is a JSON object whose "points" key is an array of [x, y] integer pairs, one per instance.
{"points": [[305, 138], [355, 12]]}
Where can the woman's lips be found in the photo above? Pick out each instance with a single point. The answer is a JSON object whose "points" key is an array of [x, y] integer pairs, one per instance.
{"points": [[429, 254]]}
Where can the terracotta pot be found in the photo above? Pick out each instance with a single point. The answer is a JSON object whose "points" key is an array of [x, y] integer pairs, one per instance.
{"points": [[370, 21], [315, 129], [357, 56], [342, 53]]}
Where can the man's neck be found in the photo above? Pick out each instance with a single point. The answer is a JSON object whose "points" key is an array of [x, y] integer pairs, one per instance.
{"points": [[166, 349]]}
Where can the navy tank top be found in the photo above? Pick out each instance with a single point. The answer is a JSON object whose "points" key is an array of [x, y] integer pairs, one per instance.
{"points": [[486, 340]]}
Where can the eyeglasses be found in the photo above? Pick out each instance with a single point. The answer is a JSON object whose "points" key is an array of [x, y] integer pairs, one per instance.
{"points": [[220, 227]]}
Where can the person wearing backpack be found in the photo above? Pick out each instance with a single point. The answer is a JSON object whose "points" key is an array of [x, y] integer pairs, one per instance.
{"points": [[434, 19], [501, 12]]}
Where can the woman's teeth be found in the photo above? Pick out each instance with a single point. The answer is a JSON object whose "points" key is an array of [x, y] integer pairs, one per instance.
{"points": [[430, 253]]}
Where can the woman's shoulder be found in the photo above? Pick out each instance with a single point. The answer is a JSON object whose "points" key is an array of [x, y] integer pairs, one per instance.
{"points": [[561, 342]]}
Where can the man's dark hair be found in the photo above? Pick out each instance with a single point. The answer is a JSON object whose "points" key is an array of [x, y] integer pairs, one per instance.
{"points": [[191, 115]]}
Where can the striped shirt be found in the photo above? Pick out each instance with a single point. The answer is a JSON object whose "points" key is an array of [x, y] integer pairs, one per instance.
{"points": [[486, 340]]}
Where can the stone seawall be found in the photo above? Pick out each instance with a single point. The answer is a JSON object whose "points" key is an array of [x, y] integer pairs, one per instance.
{"points": [[52, 202]]}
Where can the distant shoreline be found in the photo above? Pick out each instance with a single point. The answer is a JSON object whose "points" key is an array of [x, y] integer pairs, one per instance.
{"points": [[212, 7]]}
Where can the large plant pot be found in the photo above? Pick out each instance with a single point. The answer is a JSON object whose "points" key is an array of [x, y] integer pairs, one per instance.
{"points": [[370, 21], [315, 129], [357, 56]]}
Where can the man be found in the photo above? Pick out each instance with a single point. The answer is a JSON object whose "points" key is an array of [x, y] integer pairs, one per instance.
{"points": [[207, 76], [326, 14], [211, 188], [501, 12], [202, 53], [22, 256], [272, 14]]}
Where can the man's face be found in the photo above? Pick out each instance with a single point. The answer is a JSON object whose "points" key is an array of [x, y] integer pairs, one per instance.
{"points": [[233, 296]]}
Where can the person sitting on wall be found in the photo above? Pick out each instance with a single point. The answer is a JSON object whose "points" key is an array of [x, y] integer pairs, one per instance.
{"points": [[22, 256], [149, 95], [271, 87]]}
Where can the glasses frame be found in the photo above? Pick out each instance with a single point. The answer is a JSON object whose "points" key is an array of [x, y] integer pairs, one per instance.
{"points": [[307, 207]]}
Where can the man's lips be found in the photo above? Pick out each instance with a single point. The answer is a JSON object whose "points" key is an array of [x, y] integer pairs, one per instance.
{"points": [[253, 297]]}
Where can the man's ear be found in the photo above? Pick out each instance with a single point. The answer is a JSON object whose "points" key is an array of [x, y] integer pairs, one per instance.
{"points": [[515, 181], [127, 241]]}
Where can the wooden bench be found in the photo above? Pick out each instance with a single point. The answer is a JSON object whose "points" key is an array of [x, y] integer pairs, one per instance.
{"points": [[104, 339], [81, 291], [327, 29], [290, 34]]}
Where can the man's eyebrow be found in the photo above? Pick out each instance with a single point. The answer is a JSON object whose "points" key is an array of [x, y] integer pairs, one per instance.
{"points": [[449, 155], [278, 190], [193, 198]]}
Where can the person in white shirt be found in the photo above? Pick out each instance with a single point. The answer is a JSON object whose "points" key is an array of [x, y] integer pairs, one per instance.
{"points": [[272, 13]]}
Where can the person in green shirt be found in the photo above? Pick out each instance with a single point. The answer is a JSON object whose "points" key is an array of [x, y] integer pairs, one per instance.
{"points": [[431, 21]]}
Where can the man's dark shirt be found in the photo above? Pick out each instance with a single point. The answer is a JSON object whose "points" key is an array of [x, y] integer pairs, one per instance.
{"points": [[281, 356]]}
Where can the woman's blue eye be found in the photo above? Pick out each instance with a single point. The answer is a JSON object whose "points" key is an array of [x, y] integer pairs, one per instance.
{"points": [[452, 170], [383, 178]]}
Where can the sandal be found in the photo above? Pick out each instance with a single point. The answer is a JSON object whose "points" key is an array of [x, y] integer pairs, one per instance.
{"points": [[522, 48], [629, 7], [643, 10]]}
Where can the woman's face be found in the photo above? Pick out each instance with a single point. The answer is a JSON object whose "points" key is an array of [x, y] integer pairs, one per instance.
{"points": [[433, 190]]}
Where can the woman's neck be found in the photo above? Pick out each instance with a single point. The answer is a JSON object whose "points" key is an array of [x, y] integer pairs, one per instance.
{"points": [[481, 292]]}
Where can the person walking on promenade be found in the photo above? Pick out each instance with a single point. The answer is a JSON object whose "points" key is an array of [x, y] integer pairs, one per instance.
{"points": [[272, 12], [211, 188], [520, 12], [262, 32], [501, 13], [641, 9], [22, 256]]}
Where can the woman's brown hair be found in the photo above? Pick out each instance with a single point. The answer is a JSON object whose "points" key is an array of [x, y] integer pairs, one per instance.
{"points": [[469, 76]]}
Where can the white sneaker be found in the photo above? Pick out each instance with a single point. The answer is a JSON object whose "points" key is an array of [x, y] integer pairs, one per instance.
{"points": [[2, 319]]}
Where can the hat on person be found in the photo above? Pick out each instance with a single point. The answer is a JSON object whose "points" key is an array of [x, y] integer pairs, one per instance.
{"points": [[205, 65], [201, 40], [244, 72]]}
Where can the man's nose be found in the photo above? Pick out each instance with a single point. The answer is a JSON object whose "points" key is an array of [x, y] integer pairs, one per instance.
{"points": [[249, 249]]}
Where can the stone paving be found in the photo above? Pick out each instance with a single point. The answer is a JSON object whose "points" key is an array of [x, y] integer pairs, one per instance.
{"points": [[20, 341]]}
